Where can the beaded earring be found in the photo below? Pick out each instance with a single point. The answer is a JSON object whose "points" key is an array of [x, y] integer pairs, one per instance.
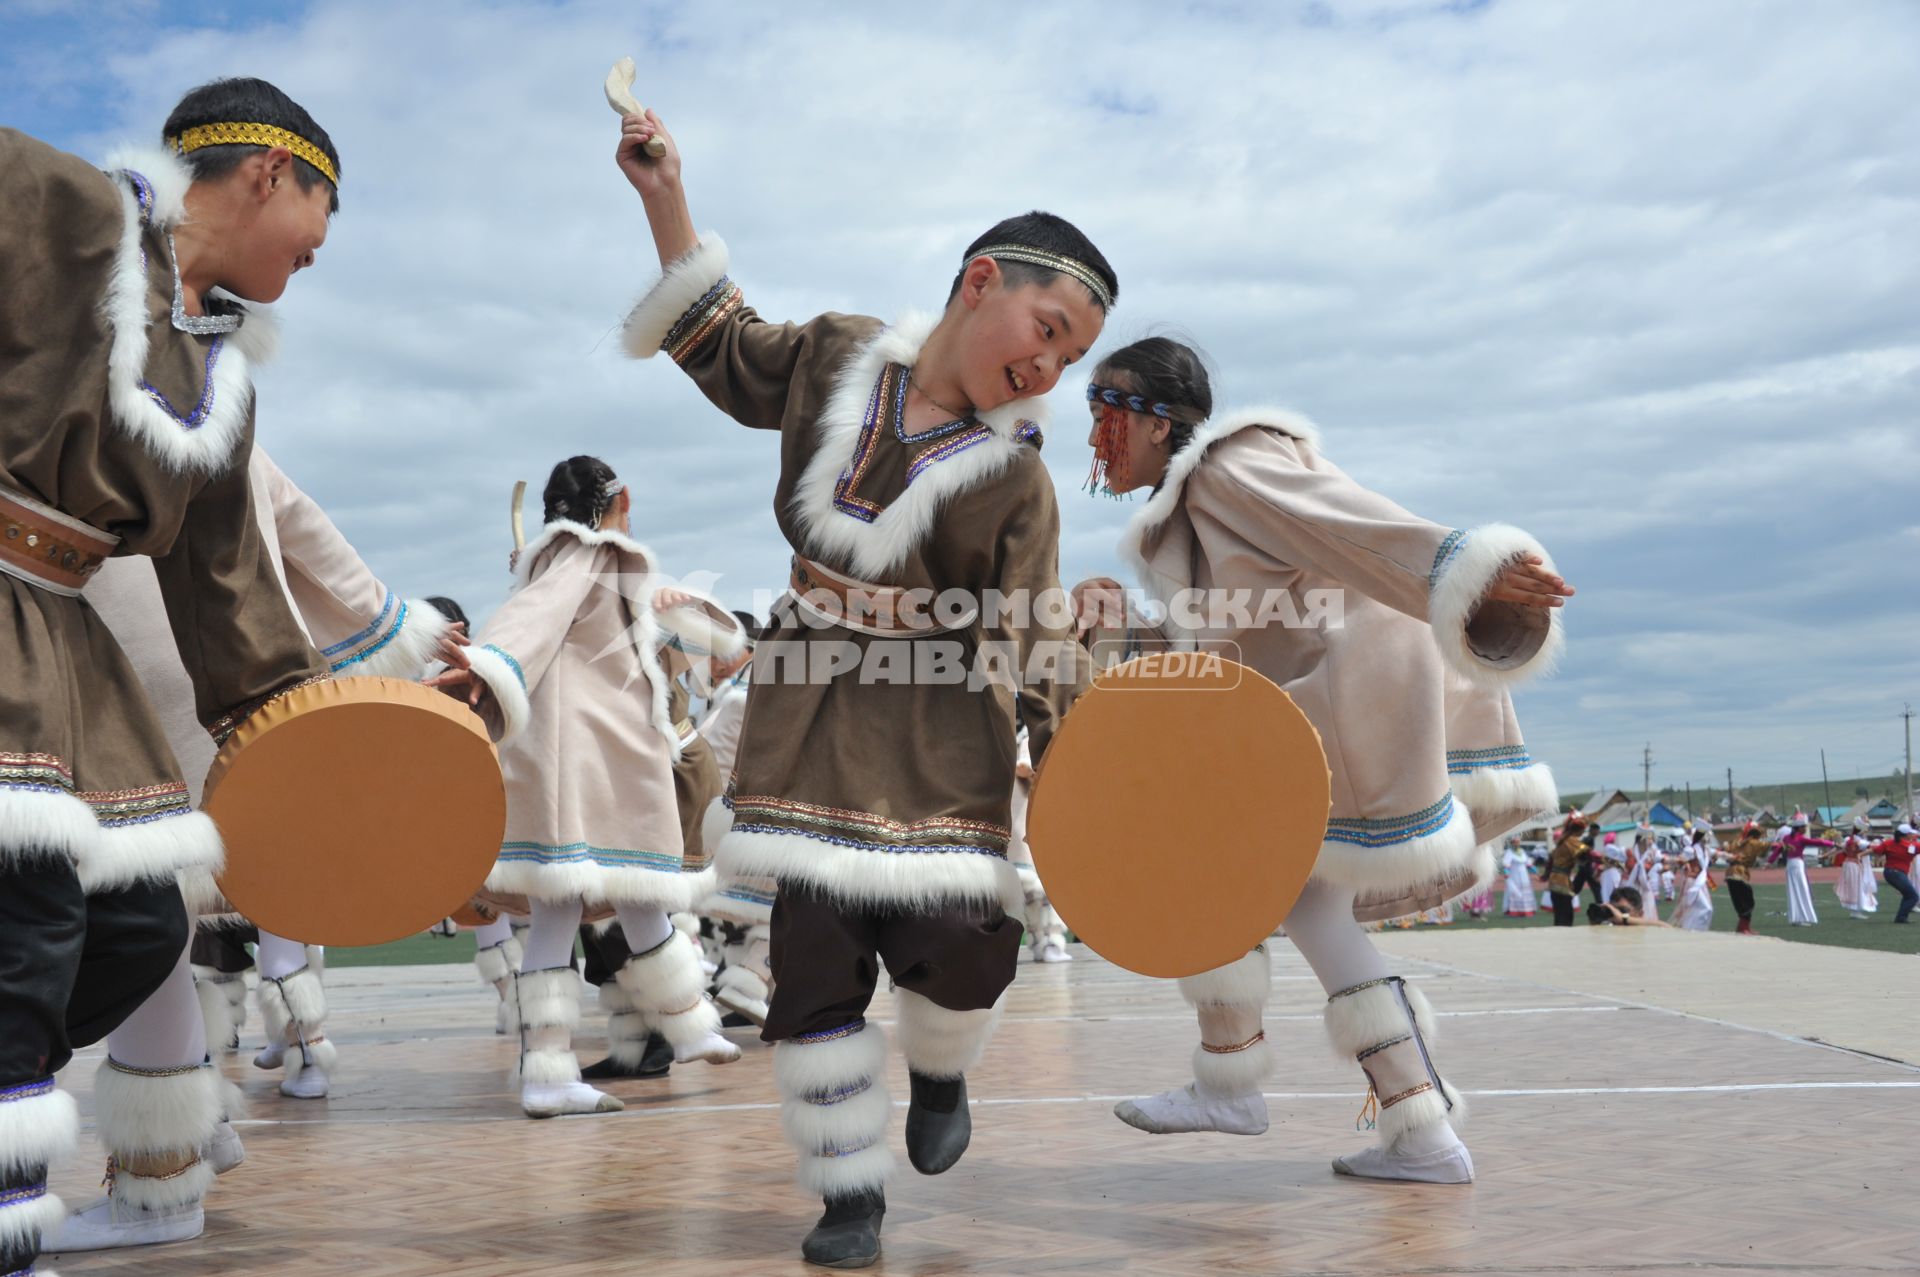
{"points": [[1109, 453]]}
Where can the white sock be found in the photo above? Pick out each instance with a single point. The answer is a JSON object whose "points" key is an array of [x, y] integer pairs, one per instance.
{"points": [[550, 940], [646, 926], [278, 957], [167, 1030]]}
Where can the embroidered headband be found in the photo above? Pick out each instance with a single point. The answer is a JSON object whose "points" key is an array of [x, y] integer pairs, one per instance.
{"points": [[1052, 261], [1097, 393], [248, 134]]}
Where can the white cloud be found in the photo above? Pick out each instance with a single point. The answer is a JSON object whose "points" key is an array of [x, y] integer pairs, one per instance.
{"points": [[1636, 276]]}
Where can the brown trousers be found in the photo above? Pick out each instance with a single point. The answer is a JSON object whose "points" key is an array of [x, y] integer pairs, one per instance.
{"points": [[827, 955]]}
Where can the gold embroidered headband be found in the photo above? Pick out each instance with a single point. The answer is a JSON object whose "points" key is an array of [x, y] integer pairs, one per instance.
{"points": [[243, 134], [1053, 261]]}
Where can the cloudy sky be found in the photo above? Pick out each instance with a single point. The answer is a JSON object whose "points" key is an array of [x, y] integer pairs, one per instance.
{"points": [[1643, 278]]}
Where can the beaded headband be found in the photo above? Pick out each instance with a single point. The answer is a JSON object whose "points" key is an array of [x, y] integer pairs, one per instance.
{"points": [[1052, 261], [1097, 393], [247, 134]]}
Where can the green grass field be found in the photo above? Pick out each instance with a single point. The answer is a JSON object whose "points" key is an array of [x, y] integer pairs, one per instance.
{"points": [[1769, 918]]}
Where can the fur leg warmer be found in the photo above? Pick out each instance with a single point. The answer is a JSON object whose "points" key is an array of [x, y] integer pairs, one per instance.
{"points": [[549, 1010], [939, 1043], [294, 1010], [1234, 1056], [834, 1107], [667, 986], [1387, 1026], [38, 1126], [157, 1116]]}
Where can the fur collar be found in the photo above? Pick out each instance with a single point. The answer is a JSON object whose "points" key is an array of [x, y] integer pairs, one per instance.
{"points": [[1166, 498], [875, 550], [208, 439]]}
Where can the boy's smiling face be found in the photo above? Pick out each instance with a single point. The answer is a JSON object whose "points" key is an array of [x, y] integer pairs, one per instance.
{"points": [[1017, 338]]}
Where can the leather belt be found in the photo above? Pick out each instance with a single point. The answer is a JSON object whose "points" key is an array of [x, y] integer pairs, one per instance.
{"points": [[863, 606], [49, 549]]}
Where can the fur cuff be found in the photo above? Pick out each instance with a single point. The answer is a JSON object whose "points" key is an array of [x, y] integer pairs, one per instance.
{"points": [[26, 1222], [679, 288], [940, 1043], [44, 822], [1501, 799], [508, 711], [1403, 877], [549, 1067], [835, 1109], [1244, 982], [298, 999], [183, 1189], [549, 999], [38, 1129], [914, 880], [159, 852], [688, 1027], [1492, 644], [1374, 1015], [143, 1113], [741, 980], [401, 649], [317, 1053], [666, 979], [701, 629], [1234, 1072], [847, 1174], [491, 963]]}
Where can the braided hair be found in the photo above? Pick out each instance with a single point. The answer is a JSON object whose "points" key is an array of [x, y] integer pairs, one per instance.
{"points": [[1160, 370], [577, 491]]}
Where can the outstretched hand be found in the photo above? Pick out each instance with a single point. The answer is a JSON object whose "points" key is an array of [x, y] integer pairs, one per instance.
{"points": [[448, 649], [1099, 603], [461, 684], [1528, 582]]}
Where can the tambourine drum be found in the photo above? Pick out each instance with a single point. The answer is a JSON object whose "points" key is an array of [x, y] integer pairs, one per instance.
{"points": [[1178, 811], [356, 811]]}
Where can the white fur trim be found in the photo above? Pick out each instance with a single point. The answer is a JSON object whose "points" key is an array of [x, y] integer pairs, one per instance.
{"points": [[740, 980], [646, 622], [216, 1013], [911, 880], [202, 894], [406, 654], [1245, 982], [209, 448], [587, 881], [38, 1131], [1462, 588], [516, 952], [549, 998], [44, 824], [1235, 1073], [139, 1115], [509, 693], [1400, 870], [614, 1000], [665, 978], [299, 997], [549, 1067], [30, 1221], [233, 1101], [157, 852], [703, 628], [626, 1025], [812, 1068], [809, 1069], [1166, 499], [689, 1027], [874, 550], [1496, 795], [940, 1043], [1356, 1021], [184, 1189], [491, 963], [682, 284]]}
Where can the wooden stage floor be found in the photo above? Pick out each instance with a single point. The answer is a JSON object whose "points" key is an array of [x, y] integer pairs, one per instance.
{"points": [[1627, 1119]]}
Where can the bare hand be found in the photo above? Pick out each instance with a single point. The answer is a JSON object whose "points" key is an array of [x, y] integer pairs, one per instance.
{"points": [[461, 684], [1099, 603], [1528, 582], [448, 649], [648, 175], [667, 600]]}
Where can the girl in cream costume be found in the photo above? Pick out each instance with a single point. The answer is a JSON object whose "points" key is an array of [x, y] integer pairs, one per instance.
{"points": [[570, 677], [1409, 697], [157, 1092]]}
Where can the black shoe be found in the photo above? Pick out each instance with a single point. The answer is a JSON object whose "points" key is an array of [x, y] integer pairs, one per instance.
{"points": [[655, 1060], [848, 1234], [938, 1124], [734, 1020]]}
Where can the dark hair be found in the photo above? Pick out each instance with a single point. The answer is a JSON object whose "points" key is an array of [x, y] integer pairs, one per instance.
{"points": [[1165, 371], [750, 624], [1044, 231], [249, 101], [1628, 896], [449, 609], [577, 490]]}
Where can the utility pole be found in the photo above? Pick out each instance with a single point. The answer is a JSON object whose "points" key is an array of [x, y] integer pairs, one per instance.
{"points": [[1646, 777], [1689, 800], [1731, 812], [1825, 788], [1906, 713]]}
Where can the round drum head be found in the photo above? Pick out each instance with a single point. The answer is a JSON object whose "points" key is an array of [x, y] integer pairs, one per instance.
{"points": [[1178, 812], [356, 811]]}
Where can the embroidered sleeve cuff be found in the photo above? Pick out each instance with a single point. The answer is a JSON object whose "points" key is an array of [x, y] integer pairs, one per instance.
{"points": [[397, 645], [506, 712], [702, 629], [1492, 644], [681, 312]]}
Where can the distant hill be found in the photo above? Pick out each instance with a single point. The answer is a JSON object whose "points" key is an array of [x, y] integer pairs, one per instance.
{"points": [[1792, 796]]}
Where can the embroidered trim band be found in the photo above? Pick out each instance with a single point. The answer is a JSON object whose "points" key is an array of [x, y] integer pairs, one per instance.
{"points": [[830, 1035], [1249, 1044], [1097, 393], [235, 133], [1052, 261]]}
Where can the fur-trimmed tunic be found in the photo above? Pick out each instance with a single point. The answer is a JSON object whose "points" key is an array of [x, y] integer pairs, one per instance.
{"points": [[113, 418], [581, 703], [893, 793], [1408, 692]]}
